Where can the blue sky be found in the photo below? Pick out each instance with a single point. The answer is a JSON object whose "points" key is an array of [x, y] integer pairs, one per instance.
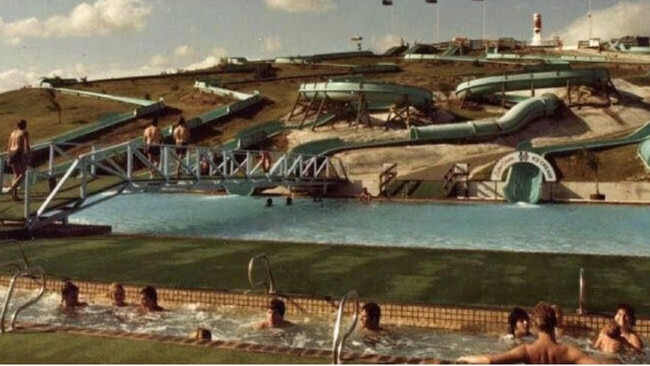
{"points": [[112, 38]]}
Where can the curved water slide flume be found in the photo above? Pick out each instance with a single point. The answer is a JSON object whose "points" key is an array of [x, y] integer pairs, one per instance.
{"points": [[524, 182], [374, 92], [534, 80]]}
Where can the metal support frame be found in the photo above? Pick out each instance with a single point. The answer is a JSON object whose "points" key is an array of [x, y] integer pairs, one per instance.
{"points": [[200, 168]]}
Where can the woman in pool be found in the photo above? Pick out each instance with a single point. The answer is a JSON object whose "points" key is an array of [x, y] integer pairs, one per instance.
{"points": [[370, 318], [518, 324], [70, 296], [149, 299], [117, 294], [626, 319]]}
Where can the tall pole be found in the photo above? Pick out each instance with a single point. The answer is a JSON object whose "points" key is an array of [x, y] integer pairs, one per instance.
{"points": [[590, 21], [437, 23], [484, 17]]}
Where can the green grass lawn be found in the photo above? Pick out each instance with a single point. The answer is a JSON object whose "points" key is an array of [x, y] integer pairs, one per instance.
{"points": [[456, 277], [25, 347]]}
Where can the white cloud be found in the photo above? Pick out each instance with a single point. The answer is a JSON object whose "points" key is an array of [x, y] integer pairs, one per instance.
{"points": [[271, 44], [301, 6], [16, 79], [158, 61], [624, 18], [184, 51], [386, 42], [100, 18], [211, 60]]}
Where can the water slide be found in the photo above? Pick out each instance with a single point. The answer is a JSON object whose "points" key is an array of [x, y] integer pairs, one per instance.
{"points": [[533, 80], [374, 92], [524, 181], [514, 119]]}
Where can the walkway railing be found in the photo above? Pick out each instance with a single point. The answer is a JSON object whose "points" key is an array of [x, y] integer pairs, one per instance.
{"points": [[65, 184]]}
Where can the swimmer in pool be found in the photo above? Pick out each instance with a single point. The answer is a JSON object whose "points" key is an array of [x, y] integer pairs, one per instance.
{"points": [[117, 294], [202, 334], [370, 318], [626, 319], [275, 316], [544, 350], [149, 299], [70, 296], [518, 324]]}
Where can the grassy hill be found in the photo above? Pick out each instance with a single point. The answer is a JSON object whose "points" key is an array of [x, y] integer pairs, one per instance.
{"points": [[50, 113]]}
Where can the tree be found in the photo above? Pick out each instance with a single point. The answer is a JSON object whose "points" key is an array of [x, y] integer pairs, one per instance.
{"points": [[591, 159]]}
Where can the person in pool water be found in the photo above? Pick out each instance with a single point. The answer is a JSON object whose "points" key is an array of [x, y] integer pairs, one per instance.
{"points": [[149, 299], [544, 350], [275, 316]]}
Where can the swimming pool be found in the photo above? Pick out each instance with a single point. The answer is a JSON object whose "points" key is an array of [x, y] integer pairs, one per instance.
{"points": [[575, 229], [230, 323]]}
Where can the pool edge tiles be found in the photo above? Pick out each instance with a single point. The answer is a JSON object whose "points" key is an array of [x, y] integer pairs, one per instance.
{"points": [[226, 345], [451, 318]]}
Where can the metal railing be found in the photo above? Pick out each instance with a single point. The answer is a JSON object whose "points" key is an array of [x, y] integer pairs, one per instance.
{"points": [[339, 338], [268, 283], [35, 273]]}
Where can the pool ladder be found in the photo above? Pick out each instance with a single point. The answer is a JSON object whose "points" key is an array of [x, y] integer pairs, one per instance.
{"points": [[25, 270], [35, 273], [339, 339], [268, 283]]}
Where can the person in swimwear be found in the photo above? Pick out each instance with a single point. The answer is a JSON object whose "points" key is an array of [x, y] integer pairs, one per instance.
{"points": [[370, 317], [518, 324], [117, 294], [70, 296], [18, 150], [181, 138], [275, 316], [544, 350], [149, 299], [152, 140], [626, 319]]}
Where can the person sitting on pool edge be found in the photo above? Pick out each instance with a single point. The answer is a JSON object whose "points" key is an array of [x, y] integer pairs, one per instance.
{"points": [[370, 317], [544, 350], [149, 299], [117, 294], [275, 315], [70, 295]]}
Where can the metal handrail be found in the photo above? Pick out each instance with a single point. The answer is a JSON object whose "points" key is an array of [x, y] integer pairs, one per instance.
{"points": [[27, 272], [339, 340], [268, 283]]}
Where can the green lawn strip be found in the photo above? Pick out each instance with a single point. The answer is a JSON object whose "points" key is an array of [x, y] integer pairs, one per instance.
{"points": [[407, 275], [28, 347]]}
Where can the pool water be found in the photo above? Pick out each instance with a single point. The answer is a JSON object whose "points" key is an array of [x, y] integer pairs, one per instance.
{"points": [[240, 325], [577, 229]]}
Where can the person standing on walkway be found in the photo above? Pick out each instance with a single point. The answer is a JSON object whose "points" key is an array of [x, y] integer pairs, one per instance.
{"points": [[181, 138], [18, 150], [152, 140]]}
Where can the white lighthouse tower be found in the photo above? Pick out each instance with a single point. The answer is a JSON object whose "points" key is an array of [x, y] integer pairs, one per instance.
{"points": [[537, 30]]}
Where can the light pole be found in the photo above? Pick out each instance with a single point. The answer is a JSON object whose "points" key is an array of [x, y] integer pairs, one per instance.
{"points": [[434, 2], [590, 21], [484, 17]]}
